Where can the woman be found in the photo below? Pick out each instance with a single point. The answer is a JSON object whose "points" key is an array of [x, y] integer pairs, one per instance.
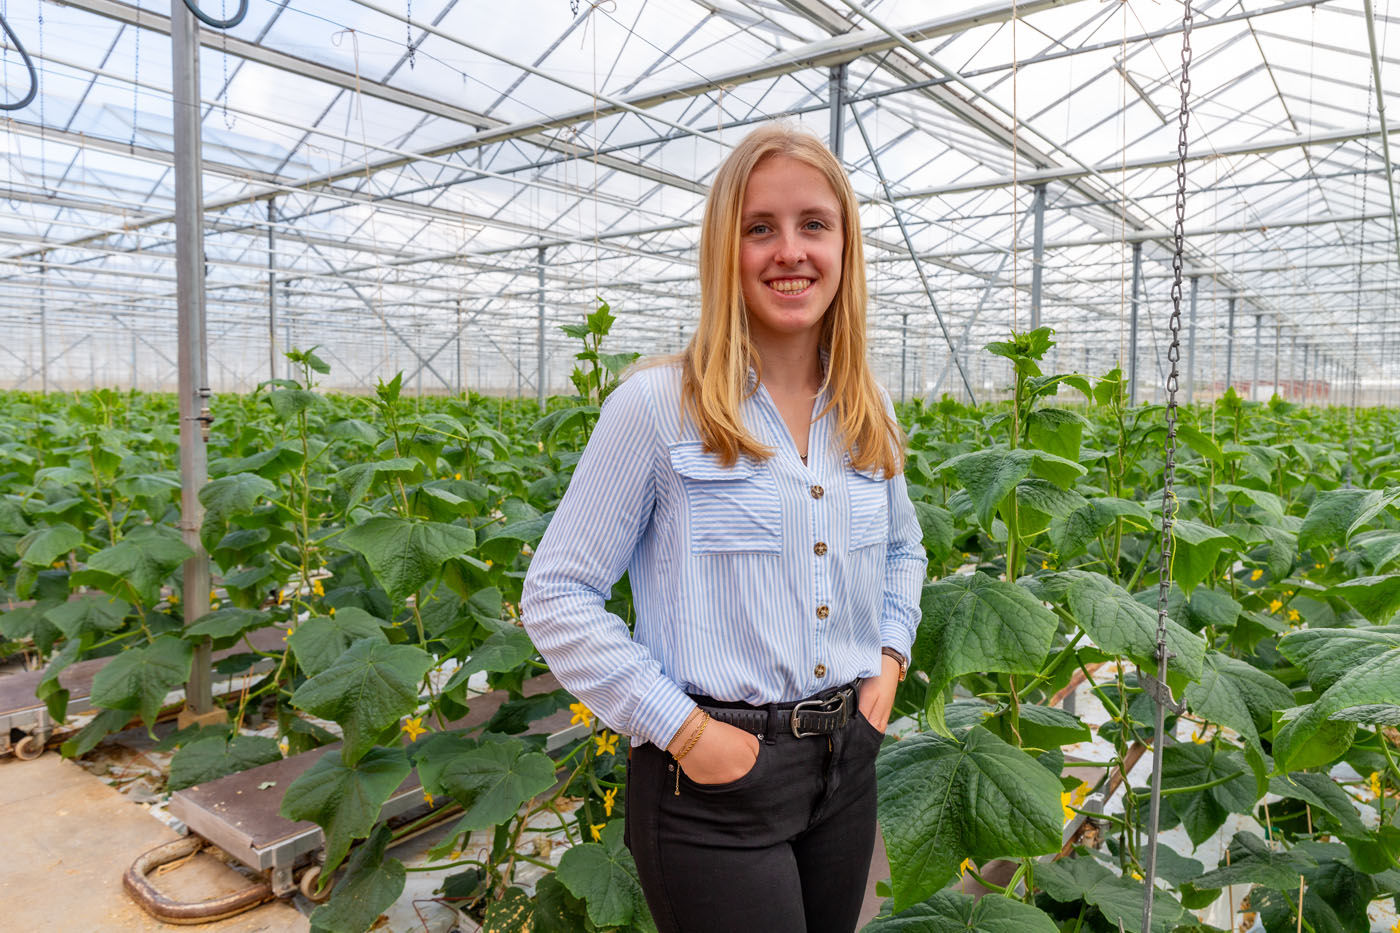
{"points": [[752, 489]]}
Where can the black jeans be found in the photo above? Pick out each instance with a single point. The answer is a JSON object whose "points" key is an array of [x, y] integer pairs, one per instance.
{"points": [[784, 849]]}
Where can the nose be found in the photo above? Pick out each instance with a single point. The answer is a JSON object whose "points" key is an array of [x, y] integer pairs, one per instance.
{"points": [[790, 250]]}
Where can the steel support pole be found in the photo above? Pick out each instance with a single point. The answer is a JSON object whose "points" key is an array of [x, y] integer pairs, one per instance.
{"points": [[1278, 352], [1258, 345], [458, 348], [133, 359], [43, 323], [1133, 327], [1037, 253], [836, 102], [903, 355], [1307, 387], [1230, 343], [1293, 369], [1191, 342], [539, 364], [193, 364], [271, 290]]}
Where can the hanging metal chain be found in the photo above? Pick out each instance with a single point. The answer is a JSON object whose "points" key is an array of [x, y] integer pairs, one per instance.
{"points": [[1159, 690]]}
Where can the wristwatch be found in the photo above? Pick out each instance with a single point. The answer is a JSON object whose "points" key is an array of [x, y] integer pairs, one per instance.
{"points": [[900, 659]]}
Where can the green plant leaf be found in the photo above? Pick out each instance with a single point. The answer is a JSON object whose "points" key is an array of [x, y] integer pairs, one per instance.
{"points": [[976, 623], [1195, 548], [320, 641], [1057, 431], [503, 650], [345, 800], [604, 876], [42, 546], [1201, 443], [942, 800], [1374, 680], [89, 615], [227, 624], [1336, 514], [1252, 861], [136, 566], [227, 496], [288, 403], [1121, 625], [1202, 812], [137, 680], [1325, 654], [370, 886], [208, 758], [1321, 791], [1376, 598], [956, 912], [1118, 898], [937, 526], [366, 690], [404, 554], [492, 780], [512, 912], [1236, 694], [1074, 533], [357, 479]]}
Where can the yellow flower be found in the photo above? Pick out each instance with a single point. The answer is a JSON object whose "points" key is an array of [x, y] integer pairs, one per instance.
{"points": [[1375, 780], [317, 588], [413, 728], [597, 830], [1317, 566], [280, 596], [1065, 805], [174, 599], [487, 562], [1293, 615], [58, 565], [213, 604], [962, 868], [607, 743], [1137, 875], [1275, 605], [1199, 736], [1287, 592], [332, 610], [582, 714], [609, 796], [428, 798], [1071, 799], [1044, 565], [1396, 928], [283, 745], [456, 475], [1255, 574]]}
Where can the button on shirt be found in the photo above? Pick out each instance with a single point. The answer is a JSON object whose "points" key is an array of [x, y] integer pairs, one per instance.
{"points": [[762, 582]]}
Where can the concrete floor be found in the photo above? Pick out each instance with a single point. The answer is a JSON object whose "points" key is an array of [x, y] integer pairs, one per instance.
{"points": [[69, 837]]}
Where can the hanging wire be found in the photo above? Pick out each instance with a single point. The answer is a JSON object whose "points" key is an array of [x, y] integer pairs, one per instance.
{"points": [[28, 98], [1160, 692], [212, 23]]}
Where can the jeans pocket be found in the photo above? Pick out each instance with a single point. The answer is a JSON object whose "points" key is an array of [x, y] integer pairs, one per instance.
{"points": [[739, 782]]}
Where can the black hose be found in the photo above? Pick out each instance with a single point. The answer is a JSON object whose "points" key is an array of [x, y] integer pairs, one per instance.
{"points": [[209, 21], [28, 63]]}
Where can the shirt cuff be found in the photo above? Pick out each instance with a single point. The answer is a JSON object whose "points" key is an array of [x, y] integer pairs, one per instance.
{"points": [[661, 712], [894, 635]]}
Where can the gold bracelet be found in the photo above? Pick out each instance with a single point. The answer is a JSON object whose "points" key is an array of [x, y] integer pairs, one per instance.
{"points": [[690, 743], [688, 720]]}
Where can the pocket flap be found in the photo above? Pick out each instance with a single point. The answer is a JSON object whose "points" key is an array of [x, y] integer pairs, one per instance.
{"points": [[691, 460]]}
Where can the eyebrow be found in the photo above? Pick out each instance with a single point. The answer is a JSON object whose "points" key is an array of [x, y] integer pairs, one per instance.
{"points": [[822, 212]]}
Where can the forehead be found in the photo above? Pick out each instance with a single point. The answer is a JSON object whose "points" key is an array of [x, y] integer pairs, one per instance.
{"points": [[781, 183]]}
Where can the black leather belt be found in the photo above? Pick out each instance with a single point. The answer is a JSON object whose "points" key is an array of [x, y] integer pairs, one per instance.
{"points": [[821, 715]]}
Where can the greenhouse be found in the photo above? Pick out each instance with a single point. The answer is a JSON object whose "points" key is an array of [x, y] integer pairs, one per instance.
{"points": [[402, 454]]}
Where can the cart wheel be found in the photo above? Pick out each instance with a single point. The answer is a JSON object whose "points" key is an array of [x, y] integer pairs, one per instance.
{"points": [[307, 886], [29, 748]]}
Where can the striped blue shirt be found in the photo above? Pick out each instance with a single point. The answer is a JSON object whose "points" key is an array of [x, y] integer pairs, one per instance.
{"points": [[763, 582]]}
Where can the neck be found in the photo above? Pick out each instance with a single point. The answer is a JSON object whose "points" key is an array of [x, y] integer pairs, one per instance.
{"points": [[792, 365]]}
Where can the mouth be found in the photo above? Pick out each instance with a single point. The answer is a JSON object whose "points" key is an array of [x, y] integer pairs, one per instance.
{"points": [[790, 287]]}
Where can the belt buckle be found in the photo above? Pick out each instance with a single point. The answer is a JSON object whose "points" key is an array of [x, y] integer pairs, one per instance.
{"points": [[832, 704]]}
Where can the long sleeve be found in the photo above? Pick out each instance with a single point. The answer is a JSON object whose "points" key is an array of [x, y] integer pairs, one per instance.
{"points": [[588, 545], [906, 566]]}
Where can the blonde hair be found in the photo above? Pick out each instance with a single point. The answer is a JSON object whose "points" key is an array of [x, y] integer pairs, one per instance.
{"points": [[715, 364]]}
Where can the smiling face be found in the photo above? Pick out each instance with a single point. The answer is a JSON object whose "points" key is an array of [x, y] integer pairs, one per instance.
{"points": [[790, 245]]}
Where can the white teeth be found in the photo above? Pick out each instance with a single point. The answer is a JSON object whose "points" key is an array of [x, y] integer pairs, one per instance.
{"points": [[790, 286]]}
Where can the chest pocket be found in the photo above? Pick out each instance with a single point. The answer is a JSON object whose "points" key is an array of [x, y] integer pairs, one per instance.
{"points": [[732, 510], [870, 507]]}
